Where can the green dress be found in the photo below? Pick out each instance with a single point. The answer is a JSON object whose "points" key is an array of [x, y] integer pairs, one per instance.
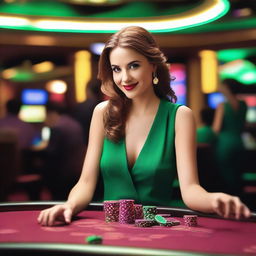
{"points": [[230, 148], [150, 180]]}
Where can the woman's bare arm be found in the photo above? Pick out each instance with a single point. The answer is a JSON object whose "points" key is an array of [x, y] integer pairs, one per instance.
{"points": [[193, 195], [82, 193]]}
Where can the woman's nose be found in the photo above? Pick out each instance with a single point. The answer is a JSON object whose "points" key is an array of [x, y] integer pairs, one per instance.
{"points": [[126, 76]]}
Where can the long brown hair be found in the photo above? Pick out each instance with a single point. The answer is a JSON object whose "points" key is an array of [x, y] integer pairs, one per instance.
{"points": [[140, 40]]}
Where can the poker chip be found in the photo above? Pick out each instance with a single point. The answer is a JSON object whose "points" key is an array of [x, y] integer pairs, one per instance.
{"points": [[166, 221], [149, 212], [190, 220], [160, 219], [111, 209], [174, 222], [138, 208], [143, 223], [94, 240], [126, 211]]}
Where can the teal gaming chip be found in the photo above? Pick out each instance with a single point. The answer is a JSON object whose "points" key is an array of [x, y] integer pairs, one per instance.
{"points": [[94, 240], [160, 219]]}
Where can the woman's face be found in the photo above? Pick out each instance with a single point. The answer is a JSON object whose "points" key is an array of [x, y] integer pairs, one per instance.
{"points": [[132, 72]]}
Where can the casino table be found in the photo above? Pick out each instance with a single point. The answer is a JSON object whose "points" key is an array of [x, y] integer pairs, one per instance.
{"points": [[20, 234]]}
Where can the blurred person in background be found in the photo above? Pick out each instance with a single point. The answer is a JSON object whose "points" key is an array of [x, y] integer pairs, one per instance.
{"points": [[229, 122], [24, 131], [205, 133], [63, 153]]}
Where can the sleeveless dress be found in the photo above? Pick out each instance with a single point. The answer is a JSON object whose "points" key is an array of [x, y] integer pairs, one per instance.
{"points": [[230, 148], [150, 180]]}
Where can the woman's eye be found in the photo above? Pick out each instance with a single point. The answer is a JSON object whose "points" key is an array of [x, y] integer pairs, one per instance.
{"points": [[115, 69], [134, 66]]}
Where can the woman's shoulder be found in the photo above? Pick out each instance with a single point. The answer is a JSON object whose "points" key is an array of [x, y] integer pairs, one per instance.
{"points": [[184, 111], [101, 107], [99, 110], [179, 107]]}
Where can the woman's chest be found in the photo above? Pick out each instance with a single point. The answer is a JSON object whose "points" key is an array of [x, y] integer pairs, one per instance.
{"points": [[136, 135]]}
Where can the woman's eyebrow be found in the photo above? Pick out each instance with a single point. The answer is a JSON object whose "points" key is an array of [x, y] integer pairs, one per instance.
{"points": [[130, 63]]}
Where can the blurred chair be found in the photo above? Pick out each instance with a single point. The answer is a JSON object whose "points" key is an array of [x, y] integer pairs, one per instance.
{"points": [[9, 159]]}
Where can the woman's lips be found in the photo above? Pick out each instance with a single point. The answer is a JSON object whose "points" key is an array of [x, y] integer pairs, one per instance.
{"points": [[130, 87]]}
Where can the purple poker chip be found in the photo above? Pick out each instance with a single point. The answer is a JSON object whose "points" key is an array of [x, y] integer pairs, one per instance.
{"points": [[126, 211], [111, 210]]}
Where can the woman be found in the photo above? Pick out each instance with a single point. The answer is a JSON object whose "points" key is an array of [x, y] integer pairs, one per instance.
{"points": [[138, 136], [229, 123]]}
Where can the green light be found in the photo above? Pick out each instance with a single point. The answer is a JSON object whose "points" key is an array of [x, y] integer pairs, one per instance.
{"points": [[40, 8], [249, 77], [23, 76], [244, 72], [249, 176], [139, 14], [235, 54]]}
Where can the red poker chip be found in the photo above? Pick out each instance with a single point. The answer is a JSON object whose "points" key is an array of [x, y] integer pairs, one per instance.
{"points": [[126, 211], [190, 220]]}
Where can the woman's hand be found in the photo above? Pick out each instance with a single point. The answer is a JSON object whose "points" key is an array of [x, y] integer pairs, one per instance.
{"points": [[229, 206], [58, 214]]}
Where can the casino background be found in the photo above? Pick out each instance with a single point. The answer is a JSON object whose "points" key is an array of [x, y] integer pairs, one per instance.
{"points": [[50, 58]]}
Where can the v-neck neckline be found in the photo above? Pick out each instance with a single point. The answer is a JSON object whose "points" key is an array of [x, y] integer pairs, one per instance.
{"points": [[145, 143]]}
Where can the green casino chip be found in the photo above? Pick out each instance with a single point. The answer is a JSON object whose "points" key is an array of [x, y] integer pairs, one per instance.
{"points": [[94, 240], [160, 219]]}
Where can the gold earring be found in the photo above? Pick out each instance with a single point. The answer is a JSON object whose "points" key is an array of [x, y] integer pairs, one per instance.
{"points": [[155, 80]]}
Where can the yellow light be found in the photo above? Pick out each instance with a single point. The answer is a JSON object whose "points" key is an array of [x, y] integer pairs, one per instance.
{"points": [[42, 67], [209, 71], [82, 73], [56, 86], [32, 114], [97, 1], [8, 20], [40, 40], [9, 73]]}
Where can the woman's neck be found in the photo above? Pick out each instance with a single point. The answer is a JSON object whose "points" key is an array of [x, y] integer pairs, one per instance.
{"points": [[144, 106]]}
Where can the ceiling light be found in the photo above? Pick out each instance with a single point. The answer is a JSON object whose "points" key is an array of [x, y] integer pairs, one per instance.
{"points": [[208, 11]]}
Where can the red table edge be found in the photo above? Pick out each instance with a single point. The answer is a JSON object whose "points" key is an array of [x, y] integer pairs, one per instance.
{"points": [[40, 205]]}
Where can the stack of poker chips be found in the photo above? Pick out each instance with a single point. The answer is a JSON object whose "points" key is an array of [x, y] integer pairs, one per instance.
{"points": [[149, 212], [166, 221], [190, 220], [142, 223], [111, 209], [138, 208], [126, 211]]}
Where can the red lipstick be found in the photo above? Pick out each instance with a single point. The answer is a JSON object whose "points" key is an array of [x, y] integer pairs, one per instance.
{"points": [[130, 87]]}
